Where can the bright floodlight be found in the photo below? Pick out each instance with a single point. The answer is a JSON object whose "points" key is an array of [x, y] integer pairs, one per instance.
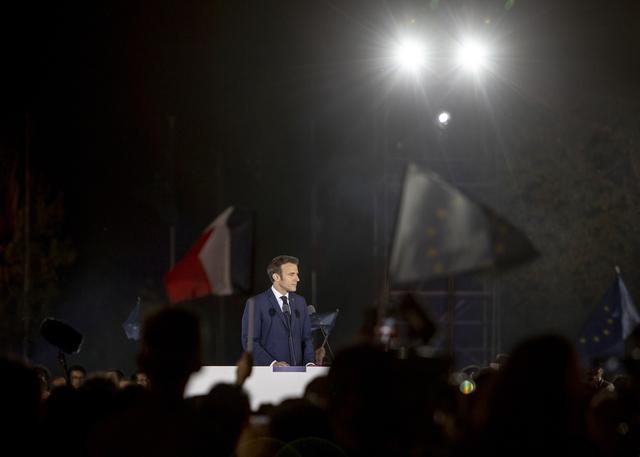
{"points": [[410, 55], [472, 55], [443, 119]]}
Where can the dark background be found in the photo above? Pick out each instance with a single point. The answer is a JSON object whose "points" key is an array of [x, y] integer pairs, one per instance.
{"points": [[289, 109]]}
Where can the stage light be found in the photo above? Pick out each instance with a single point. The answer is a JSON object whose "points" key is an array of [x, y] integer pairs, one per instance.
{"points": [[472, 55], [410, 55], [443, 119], [467, 387]]}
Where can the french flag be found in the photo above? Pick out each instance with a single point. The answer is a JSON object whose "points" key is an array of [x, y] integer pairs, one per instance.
{"points": [[220, 261]]}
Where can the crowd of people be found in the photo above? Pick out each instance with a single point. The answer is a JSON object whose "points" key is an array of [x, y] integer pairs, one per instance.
{"points": [[535, 401]]}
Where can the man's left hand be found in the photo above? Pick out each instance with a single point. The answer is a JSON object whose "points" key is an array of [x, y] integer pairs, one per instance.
{"points": [[320, 353]]}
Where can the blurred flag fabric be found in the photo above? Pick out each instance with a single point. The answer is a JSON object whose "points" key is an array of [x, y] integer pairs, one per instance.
{"points": [[321, 326], [323, 321], [441, 231], [132, 325], [609, 324], [219, 262]]}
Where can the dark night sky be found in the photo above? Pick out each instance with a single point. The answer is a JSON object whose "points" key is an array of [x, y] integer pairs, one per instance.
{"points": [[279, 108]]}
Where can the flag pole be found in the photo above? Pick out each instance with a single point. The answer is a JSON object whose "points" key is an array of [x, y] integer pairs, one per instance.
{"points": [[26, 308], [172, 227], [326, 338], [220, 352], [451, 314], [251, 305]]}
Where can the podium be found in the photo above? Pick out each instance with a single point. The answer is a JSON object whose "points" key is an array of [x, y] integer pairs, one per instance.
{"points": [[263, 386]]}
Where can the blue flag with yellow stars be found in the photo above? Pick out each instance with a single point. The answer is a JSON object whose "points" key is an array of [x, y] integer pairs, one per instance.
{"points": [[323, 321], [609, 324], [132, 325], [440, 231]]}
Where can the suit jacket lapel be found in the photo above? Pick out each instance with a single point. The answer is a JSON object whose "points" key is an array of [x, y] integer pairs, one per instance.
{"points": [[292, 304], [276, 305]]}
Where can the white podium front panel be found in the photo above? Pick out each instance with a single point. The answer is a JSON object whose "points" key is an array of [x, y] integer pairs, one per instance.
{"points": [[263, 386]]}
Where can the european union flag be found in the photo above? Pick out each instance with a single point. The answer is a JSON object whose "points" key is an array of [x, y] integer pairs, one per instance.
{"points": [[440, 231], [132, 325], [610, 323], [323, 321]]}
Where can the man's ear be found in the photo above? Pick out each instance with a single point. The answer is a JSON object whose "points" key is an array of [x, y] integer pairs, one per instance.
{"points": [[275, 277]]}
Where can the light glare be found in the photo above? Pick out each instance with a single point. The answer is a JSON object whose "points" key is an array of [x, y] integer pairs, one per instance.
{"points": [[472, 55], [410, 55], [444, 118]]}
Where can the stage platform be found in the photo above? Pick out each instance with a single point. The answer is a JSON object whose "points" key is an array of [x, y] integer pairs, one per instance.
{"points": [[263, 386]]}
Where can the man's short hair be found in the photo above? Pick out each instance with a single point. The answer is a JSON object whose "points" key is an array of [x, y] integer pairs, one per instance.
{"points": [[79, 368], [117, 374], [134, 376], [275, 266]]}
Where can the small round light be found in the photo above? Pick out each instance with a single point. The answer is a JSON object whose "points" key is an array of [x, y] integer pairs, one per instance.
{"points": [[444, 118], [467, 387]]}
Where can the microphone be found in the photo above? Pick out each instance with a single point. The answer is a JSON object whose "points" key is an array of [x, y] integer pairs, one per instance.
{"points": [[286, 309], [272, 312], [64, 337], [61, 335]]}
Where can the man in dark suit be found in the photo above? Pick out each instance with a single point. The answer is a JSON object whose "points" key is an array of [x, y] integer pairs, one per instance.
{"points": [[281, 326]]}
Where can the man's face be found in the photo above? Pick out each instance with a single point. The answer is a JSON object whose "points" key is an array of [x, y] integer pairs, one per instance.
{"points": [[595, 375], [288, 281], [77, 378], [142, 379]]}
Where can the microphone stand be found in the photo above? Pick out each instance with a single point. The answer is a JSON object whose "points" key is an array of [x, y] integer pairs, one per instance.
{"points": [[292, 351], [63, 363]]}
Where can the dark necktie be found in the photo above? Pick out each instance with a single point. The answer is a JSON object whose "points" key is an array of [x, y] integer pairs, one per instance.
{"points": [[286, 309]]}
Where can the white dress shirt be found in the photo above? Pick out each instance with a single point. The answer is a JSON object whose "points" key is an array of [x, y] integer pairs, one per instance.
{"points": [[279, 296]]}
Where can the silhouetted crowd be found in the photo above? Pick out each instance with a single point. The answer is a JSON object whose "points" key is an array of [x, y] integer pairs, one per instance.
{"points": [[537, 401]]}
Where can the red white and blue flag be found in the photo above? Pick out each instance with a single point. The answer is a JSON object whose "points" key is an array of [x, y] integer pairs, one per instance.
{"points": [[219, 262]]}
